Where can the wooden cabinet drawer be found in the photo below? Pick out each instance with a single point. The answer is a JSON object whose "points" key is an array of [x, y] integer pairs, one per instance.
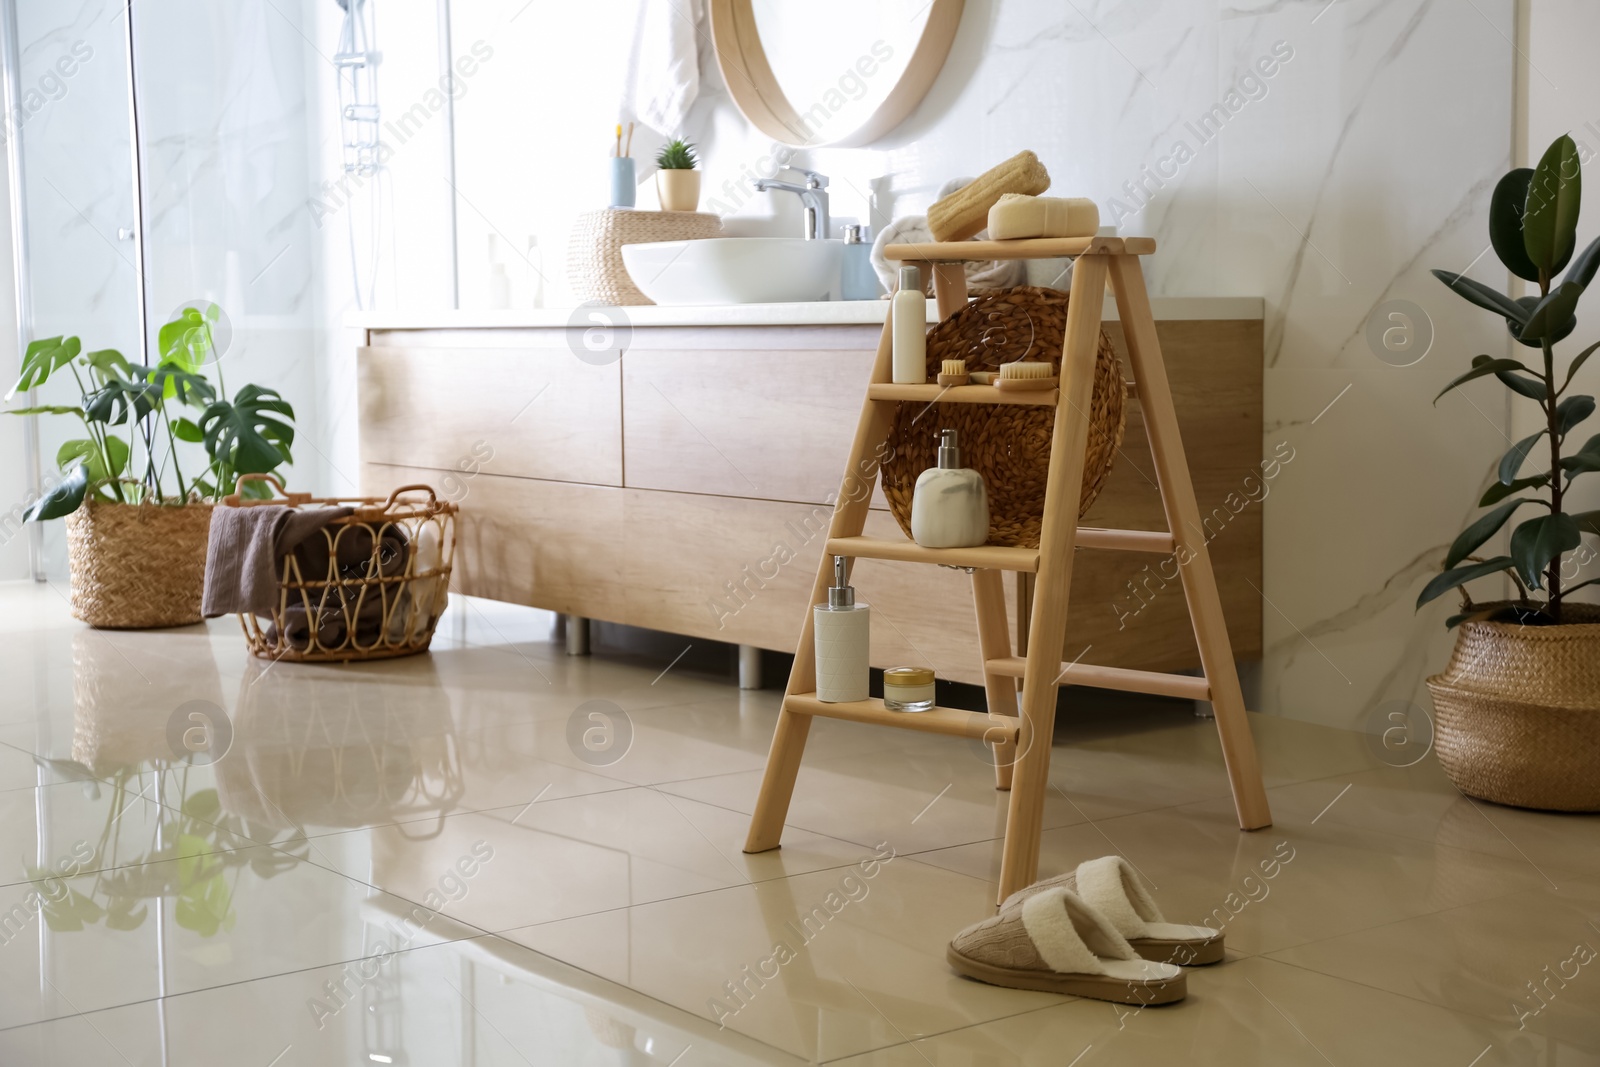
{"points": [[773, 425], [528, 412]]}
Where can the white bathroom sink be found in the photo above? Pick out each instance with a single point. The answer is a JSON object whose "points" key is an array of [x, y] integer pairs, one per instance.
{"points": [[735, 270]]}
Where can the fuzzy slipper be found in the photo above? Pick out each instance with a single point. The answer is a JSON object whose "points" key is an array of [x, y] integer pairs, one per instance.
{"points": [[1111, 885], [1055, 942]]}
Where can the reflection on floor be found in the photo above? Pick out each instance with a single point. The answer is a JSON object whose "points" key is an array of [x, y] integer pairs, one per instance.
{"points": [[496, 854]]}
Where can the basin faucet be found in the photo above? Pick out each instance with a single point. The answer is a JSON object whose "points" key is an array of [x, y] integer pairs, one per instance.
{"points": [[813, 197]]}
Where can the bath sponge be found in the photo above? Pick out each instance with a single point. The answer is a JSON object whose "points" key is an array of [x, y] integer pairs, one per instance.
{"points": [[1014, 217], [966, 211]]}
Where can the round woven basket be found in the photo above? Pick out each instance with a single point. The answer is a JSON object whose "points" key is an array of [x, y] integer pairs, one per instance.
{"points": [[137, 566], [1008, 444], [1517, 712], [594, 252]]}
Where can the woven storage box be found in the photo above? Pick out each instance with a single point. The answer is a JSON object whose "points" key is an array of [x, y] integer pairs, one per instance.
{"points": [[1008, 444], [369, 586], [1517, 712], [594, 254], [137, 566]]}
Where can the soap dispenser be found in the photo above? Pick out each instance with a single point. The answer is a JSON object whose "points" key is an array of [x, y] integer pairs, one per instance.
{"points": [[843, 636], [950, 506]]}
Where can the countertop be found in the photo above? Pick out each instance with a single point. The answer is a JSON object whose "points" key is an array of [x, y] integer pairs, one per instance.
{"points": [[820, 313]]}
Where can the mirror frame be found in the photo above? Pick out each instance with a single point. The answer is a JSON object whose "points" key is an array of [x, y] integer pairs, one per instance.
{"points": [[759, 97]]}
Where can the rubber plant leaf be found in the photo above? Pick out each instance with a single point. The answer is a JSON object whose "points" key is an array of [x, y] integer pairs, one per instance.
{"points": [[1512, 461], [1538, 541], [1480, 531], [1482, 366], [1506, 206], [1451, 579], [1550, 223]]}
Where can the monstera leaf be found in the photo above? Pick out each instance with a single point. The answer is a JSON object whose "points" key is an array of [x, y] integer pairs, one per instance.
{"points": [[248, 433], [44, 358], [63, 499], [118, 400], [186, 341], [87, 452]]}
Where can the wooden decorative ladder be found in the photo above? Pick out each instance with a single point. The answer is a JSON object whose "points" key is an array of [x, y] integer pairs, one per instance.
{"points": [[1023, 742]]}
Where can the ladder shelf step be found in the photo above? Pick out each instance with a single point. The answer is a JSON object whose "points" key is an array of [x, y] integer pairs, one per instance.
{"points": [[983, 557], [1130, 681], [952, 722], [963, 394], [1157, 541]]}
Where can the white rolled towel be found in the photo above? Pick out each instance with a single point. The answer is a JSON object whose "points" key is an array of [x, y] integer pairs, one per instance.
{"points": [[913, 229]]}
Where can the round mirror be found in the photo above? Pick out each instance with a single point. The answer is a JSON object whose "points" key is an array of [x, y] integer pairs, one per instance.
{"points": [[831, 72]]}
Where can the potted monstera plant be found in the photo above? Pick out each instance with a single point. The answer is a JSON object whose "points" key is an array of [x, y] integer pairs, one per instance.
{"points": [[1517, 710], [136, 522]]}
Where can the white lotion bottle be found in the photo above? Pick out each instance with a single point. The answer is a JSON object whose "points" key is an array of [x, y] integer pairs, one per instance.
{"points": [[842, 635], [950, 506], [910, 312]]}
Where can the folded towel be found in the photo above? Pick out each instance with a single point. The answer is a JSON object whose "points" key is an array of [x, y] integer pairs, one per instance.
{"points": [[243, 550], [913, 229], [345, 555], [1015, 216]]}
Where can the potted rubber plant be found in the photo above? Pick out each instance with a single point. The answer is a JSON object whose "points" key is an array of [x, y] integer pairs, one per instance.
{"points": [[677, 180], [1517, 710], [136, 524]]}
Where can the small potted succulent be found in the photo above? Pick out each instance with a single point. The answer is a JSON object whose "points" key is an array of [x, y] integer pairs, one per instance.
{"points": [[136, 526], [1517, 710], [677, 180]]}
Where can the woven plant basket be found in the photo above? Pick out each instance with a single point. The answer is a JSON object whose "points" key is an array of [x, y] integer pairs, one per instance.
{"points": [[1517, 712], [137, 566], [1010, 444], [594, 252], [381, 585]]}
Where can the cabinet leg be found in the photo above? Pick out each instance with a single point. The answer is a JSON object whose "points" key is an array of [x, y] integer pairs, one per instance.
{"points": [[577, 629], [749, 667]]}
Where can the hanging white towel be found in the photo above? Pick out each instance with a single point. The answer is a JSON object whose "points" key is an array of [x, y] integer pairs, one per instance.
{"points": [[663, 75]]}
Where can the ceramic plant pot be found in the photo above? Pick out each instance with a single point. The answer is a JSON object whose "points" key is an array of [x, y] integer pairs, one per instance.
{"points": [[679, 190], [1517, 712]]}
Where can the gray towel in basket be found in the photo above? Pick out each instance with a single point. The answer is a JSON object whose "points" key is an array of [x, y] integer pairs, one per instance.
{"points": [[245, 546]]}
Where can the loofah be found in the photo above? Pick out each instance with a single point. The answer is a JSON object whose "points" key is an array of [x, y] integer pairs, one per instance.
{"points": [[966, 211]]}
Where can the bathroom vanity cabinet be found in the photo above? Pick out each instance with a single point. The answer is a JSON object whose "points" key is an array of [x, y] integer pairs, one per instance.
{"points": [[682, 480]]}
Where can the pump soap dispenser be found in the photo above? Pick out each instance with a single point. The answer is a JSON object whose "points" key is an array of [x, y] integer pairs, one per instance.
{"points": [[950, 507], [843, 636]]}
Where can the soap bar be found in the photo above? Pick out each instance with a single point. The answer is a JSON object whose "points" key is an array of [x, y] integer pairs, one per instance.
{"points": [[1014, 217]]}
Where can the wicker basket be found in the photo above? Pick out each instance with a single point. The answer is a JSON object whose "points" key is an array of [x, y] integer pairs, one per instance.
{"points": [[137, 566], [379, 588], [1517, 712], [1009, 445], [594, 253]]}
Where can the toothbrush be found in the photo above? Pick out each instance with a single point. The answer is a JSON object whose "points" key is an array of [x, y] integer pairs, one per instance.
{"points": [[628, 149], [618, 152]]}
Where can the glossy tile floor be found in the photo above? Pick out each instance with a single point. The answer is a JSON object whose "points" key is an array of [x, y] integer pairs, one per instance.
{"points": [[499, 855]]}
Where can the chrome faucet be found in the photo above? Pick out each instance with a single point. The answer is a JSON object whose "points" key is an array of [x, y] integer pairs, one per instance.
{"points": [[813, 197]]}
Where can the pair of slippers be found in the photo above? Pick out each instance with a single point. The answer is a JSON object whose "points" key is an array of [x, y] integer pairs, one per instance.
{"points": [[1092, 933]]}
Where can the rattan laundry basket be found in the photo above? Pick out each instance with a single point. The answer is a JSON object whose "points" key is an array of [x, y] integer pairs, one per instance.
{"points": [[1517, 711], [381, 581], [137, 566], [594, 253], [1009, 445]]}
